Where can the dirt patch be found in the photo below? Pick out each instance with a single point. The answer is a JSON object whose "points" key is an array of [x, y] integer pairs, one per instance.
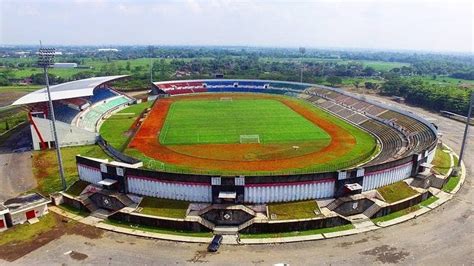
{"points": [[196, 156], [14, 250], [387, 254], [346, 244], [78, 256], [10, 96], [199, 257]]}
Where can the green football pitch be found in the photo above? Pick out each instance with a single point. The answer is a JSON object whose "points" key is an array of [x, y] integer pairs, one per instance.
{"points": [[225, 121]]}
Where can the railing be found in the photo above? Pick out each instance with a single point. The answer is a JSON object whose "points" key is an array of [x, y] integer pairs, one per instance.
{"points": [[156, 165], [112, 152]]}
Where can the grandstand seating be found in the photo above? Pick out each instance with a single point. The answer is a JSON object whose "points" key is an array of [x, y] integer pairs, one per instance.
{"points": [[357, 118], [91, 116], [391, 140], [101, 94], [418, 133], [175, 88], [284, 85], [64, 113]]}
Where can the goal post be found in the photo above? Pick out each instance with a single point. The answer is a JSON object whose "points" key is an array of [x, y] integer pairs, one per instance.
{"points": [[249, 139]]}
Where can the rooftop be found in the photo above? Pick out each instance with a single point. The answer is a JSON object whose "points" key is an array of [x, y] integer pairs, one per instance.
{"points": [[24, 202], [72, 89], [3, 209]]}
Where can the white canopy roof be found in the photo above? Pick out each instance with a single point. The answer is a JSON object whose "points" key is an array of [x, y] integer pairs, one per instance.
{"points": [[68, 90], [227, 195], [107, 182]]}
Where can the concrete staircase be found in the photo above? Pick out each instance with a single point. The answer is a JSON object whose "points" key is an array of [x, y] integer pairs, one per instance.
{"points": [[101, 214], [90, 206], [361, 221], [124, 199], [226, 230], [372, 210], [334, 204]]}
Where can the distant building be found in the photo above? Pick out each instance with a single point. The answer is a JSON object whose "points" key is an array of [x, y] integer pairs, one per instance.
{"points": [[25, 81], [65, 65], [55, 53], [180, 74], [24, 208], [107, 50]]}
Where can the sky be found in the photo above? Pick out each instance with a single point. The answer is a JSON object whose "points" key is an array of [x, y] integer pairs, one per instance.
{"points": [[441, 26]]}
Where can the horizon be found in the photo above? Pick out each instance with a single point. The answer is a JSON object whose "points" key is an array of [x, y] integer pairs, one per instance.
{"points": [[383, 25]]}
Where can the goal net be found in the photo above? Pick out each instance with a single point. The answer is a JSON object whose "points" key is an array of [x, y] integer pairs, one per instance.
{"points": [[249, 139], [228, 99]]}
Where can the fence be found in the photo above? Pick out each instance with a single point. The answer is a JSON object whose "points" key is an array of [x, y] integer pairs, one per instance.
{"points": [[112, 152]]}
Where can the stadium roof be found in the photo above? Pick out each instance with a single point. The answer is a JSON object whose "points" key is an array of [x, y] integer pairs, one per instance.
{"points": [[68, 90]]}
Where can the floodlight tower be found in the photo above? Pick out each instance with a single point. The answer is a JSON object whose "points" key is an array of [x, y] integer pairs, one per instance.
{"points": [[466, 132], [45, 60]]}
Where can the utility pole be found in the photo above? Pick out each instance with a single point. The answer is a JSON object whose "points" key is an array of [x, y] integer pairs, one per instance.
{"points": [[302, 51], [151, 70], [150, 53], [45, 60], [466, 133]]}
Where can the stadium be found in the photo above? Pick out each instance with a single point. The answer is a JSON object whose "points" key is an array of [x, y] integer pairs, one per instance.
{"points": [[231, 146]]}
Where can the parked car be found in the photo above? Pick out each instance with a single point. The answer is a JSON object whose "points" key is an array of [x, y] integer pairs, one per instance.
{"points": [[215, 243]]}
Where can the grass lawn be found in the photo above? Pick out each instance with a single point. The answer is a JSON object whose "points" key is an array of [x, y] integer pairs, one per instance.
{"points": [[45, 167], [164, 207], [446, 81], [451, 184], [453, 180], [116, 127], [195, 122], [441, 161], [300, 233], [20, 88], [26, 232], [428, 201], [397, 214], [396, 191], [73, 210], [157, 229], [293, 210], [76, 188], [11, 118]]}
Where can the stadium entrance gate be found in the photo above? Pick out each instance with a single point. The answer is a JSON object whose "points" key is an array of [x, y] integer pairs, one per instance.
{"points": [[228, 189]]}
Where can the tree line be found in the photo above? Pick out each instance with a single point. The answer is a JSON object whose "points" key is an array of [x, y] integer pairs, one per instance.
{"points": [[430, 96]]}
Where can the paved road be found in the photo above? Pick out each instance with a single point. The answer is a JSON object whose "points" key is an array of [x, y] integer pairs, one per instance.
{"points": [[16, 175], [441, 237]]}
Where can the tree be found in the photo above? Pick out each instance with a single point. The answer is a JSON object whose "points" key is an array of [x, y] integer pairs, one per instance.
{"points": [[356, 83], [369, 71], [333, 80], [371, 85]]}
